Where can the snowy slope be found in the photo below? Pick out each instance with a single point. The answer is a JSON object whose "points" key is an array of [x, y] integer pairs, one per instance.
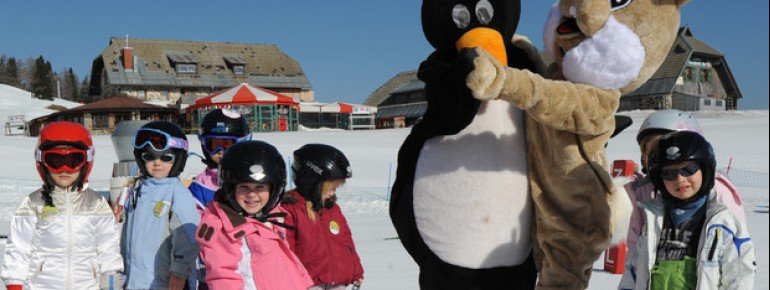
{"points": [[15, 101], [742, 135]]}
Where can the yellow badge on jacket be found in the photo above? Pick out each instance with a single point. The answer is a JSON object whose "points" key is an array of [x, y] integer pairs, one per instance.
{"points": [[48, 213], [334, 227], [161, 208]]}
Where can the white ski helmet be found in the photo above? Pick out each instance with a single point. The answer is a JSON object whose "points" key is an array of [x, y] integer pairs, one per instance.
{"points": [[667, 121]]}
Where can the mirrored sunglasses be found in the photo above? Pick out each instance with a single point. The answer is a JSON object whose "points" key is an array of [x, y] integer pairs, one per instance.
{"points": [[672, 174], [149, 157]]}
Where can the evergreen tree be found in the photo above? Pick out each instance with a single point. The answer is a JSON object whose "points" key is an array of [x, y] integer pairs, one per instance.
{"points": [[12, 72], [42, 79], [3, 76], [83, 95], [72, 85]]}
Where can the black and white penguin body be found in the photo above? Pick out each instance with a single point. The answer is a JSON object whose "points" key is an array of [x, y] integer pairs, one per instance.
{"points": [[460, 202]]}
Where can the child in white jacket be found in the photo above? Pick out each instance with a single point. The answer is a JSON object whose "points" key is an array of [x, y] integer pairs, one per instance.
{"points": [[690, 239], [63, 236]]}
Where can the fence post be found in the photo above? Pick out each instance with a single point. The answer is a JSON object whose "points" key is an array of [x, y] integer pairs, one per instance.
{"points": [[729, 165]]}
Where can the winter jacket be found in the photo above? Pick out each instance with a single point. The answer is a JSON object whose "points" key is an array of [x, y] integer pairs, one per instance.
{"points": [[205, 185], [243, 253], [725, 258], [65, 248], [159, 233], [325, 246], [641, 189]]}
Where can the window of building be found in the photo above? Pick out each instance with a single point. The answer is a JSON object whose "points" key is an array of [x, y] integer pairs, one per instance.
{"points": [[238, 70], [718, 103], [185, 68], [707, 102], [705, 75], [687, 74], [101, 122]]}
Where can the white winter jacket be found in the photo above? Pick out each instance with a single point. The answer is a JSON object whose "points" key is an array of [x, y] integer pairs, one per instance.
{"points": [[65, 248], [725, 251]]}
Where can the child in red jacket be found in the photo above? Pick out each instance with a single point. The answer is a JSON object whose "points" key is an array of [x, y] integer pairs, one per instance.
{"points": [[321, 239]]}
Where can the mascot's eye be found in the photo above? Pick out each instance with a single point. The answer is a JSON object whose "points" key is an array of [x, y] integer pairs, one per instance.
{"points": [[461, 16], [485, 12], [619, 4]]}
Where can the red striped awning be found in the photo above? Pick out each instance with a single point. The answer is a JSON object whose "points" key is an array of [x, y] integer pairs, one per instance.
{"points": [[243, 94]]}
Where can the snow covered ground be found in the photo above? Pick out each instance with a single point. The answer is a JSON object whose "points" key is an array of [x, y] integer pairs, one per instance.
{"points": [[15, 101], [741, 135]]}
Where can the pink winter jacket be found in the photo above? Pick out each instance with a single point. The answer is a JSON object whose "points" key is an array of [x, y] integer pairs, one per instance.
{"points": [[270, 265], [641, 189]]}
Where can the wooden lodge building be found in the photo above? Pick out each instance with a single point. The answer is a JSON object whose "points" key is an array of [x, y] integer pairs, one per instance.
{"points": [[694, 77], [170, 70]]}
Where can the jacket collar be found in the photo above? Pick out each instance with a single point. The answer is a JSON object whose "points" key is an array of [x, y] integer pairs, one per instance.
{"points": [[237, 226]]}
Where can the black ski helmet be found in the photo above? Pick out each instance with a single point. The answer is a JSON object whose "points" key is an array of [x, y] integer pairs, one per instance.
{"points": [[221, 122], [679, 147], [251, 161], [180, 154], [315, 163]]}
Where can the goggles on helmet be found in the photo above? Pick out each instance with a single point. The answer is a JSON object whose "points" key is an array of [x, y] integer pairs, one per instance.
{"points": [[58, 160], [158, 140], [214, 144], [672, 174]]}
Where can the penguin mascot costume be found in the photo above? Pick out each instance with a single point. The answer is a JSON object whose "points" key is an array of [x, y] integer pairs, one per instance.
{"points": [[460, 201]]}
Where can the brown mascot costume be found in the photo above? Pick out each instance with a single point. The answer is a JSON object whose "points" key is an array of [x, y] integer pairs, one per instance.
{"points": [[601, 49]]}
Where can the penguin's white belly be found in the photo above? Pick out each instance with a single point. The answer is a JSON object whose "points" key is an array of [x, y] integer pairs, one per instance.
{"points": [[471, 203]]}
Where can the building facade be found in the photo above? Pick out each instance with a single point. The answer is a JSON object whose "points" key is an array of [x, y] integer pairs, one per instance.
{"points": [[174, 71]]}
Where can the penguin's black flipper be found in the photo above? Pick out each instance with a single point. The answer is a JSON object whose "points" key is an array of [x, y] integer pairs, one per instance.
{"points": [[401, 198], [451, 106]]}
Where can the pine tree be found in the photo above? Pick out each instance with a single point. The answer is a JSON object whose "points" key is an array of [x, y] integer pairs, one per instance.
{"points": [[12, 72], [42, 79], [3, 75], [72, 85], [83, 95]]}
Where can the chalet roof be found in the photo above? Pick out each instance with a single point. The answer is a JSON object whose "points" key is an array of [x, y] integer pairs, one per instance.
{"points": [[264, 64], [411, 86], [663, 81], [383, 92], [117, 102]]}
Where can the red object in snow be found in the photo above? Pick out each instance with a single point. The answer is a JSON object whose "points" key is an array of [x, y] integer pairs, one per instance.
{"points": [[615, 259], [623, 168]]}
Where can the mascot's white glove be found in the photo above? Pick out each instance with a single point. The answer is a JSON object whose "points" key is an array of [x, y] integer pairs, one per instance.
{"points": [[487, 78]]}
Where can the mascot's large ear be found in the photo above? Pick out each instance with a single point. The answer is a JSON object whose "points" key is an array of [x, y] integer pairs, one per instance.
{"points": [[680, 3]]}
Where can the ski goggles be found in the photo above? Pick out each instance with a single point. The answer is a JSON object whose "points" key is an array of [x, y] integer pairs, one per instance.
{"points": [[149, 157], [672, 174], [59, 160], [158, 140], [214, 144]]}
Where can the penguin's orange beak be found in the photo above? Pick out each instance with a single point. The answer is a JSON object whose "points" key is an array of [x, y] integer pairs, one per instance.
{"points": [[487, 39]]}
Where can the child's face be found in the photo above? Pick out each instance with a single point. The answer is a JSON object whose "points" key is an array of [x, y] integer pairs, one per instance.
{"points": [[329, 188], [645, 147], [252, 196], [682, 187], [160, 167], [217, 157], [65, 179]]}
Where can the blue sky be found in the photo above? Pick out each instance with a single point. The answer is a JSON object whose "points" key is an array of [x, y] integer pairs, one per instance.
{"points": [[348, 48]]}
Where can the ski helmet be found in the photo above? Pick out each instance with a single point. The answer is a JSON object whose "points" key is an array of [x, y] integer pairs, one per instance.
{"points": [[221, 124], [251, 161], [666, 121], [69, 134], [315, 163], [161, 137], [678, 147]]}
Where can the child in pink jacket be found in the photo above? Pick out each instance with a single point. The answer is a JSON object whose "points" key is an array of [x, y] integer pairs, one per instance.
{"points": [[240, 242]]}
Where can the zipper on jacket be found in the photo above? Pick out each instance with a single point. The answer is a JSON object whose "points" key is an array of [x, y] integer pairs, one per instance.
{"points": [[714, 244], [69, 238]]}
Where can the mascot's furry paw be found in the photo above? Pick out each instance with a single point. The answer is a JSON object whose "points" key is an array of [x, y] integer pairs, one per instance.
{"points": [[621, 211], [487, 78]]}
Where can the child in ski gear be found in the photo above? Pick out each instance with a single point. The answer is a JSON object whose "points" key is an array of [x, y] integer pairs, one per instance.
{"points": [[158, 242], [690, 239], [220, 129], [641, 189], [321, 236], [62, 236], [241, 243]]}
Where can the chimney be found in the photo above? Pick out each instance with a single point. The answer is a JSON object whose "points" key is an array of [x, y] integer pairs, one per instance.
{"points": [[128, 58]]}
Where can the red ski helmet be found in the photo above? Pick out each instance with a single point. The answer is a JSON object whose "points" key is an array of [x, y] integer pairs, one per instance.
{"points": [[65, 133]]}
